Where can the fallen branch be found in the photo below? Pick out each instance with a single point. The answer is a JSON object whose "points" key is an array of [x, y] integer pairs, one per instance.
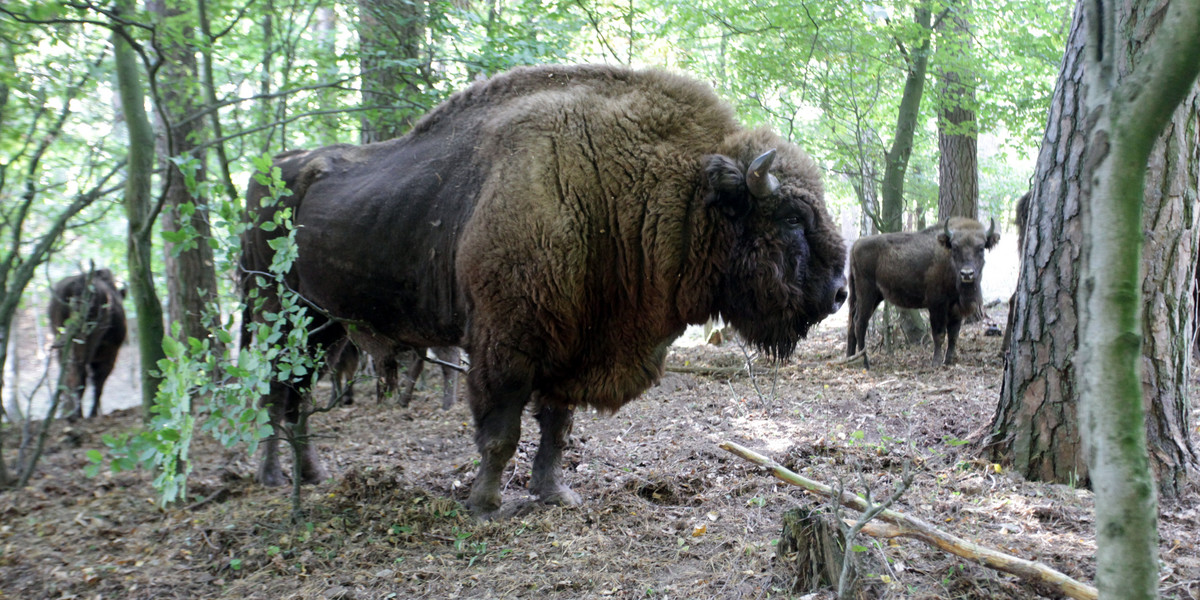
{"points": [[708, 371], [900, 525]]}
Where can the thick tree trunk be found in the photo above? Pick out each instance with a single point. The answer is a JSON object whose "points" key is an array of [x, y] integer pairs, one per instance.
{"points": [[390, 33], [1140, 62], [1036, 425], [958, 165], [1169, 268], [191, 276], [139, 212]]}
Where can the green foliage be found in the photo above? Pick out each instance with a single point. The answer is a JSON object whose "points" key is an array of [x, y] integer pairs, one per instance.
{"points": [[226, 387]]}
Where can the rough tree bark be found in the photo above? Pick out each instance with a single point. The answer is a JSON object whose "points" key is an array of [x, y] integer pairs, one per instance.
{"points": [[1035, 427], [390, 34], [1116, 147], [191, 275], [958, 164]]}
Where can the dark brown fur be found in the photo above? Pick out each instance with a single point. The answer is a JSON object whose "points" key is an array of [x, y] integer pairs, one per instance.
{"points": [[563, 225], [925, 269], [95, 351]]}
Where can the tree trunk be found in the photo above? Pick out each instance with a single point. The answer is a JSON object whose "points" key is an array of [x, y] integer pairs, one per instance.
{"points": [[896, 159], [958, 165], [1036, 425], [191, 276], [1139, 64], [390, 33], [327, 127], [139, 211], [210, 96]]}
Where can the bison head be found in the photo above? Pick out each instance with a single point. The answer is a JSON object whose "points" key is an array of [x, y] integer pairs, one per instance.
{"points": [[966, 241], [786, 260]]}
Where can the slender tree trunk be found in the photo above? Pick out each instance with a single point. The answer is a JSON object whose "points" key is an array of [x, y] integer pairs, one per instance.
{"points": [[958, 164], [327, 125], [210, 96], [139, 211], [896, 159], [391, 33], [191, 276], [265, 78]]}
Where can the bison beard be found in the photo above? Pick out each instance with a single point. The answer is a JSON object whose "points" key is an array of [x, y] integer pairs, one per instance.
{"points": [[95, 351], [563, 225]]}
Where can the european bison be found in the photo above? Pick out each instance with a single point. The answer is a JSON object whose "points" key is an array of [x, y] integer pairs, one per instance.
{"points": [[937, 268], [562, 224], [94, 348]]}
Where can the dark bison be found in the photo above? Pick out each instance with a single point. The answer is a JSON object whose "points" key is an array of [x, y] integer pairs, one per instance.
{"points": [[93, 350], [562, 224], [937, 268]]}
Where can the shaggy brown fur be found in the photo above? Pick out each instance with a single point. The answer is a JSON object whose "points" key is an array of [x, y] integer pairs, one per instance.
{"points": [[95, 350], [563, 225], [936, 268]]}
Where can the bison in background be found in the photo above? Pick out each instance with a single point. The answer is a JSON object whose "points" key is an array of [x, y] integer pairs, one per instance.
{"points": [[563, 225], [937, 268], [93, 350]]}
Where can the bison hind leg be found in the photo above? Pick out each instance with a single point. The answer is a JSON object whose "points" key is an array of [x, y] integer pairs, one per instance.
{"points": [[497, 413], [555, 420]]}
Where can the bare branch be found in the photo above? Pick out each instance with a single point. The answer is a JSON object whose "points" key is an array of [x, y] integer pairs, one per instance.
{"points": [[904, 526]]}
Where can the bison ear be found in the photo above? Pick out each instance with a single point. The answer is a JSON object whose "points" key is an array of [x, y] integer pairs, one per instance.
{"points": [[728, 183], [945, 238]]}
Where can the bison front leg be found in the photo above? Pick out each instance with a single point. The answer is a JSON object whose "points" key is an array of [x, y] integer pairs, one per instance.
{"points": [[937, 323], [270, 474], [555, 420], [952, 330]]}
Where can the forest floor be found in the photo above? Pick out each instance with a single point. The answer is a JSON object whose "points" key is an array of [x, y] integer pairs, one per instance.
{"points": [[667, 514]]}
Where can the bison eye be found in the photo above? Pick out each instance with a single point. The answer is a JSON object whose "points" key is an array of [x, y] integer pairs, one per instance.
{"points": [[794, 221]]}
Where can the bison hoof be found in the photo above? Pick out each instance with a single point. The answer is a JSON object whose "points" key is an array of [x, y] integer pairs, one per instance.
{"points": [[313, 474], [561, 496], [271, 477], [483, 503]]}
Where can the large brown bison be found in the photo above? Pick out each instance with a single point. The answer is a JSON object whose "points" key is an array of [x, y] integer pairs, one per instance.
{"points": [[937, 268], [93, 350], [562, 224]]}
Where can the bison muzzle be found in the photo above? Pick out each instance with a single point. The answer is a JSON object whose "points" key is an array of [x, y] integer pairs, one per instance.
{"points": [[937, 268], [563, 225]]}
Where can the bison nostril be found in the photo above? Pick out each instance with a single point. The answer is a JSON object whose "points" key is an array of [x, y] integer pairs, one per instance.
{"points": [[839, 296]]}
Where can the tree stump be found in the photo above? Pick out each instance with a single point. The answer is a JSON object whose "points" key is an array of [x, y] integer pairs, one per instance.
{"points": [[810, 554]]}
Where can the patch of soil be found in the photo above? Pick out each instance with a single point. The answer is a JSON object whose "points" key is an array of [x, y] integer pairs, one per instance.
{"points": [[667, 514]]}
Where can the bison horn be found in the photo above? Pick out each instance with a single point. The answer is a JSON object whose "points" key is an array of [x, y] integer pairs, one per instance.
{"points": [[758, 177], [992, 228], [946, 230]]}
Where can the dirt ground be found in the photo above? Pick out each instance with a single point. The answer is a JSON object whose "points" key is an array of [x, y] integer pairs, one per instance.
{"points": [[667, 514]]}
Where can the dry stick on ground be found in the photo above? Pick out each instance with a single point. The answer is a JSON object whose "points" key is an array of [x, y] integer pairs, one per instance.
{"points": [[900, 525]]}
